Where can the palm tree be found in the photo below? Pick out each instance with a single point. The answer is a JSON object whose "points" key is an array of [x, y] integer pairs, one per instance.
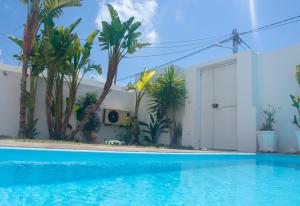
{"points": [[119, 39], [38, 10], [167, 94]]}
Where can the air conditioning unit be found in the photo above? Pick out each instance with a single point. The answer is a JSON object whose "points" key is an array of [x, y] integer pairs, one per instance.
{"points": [[115, 117]]}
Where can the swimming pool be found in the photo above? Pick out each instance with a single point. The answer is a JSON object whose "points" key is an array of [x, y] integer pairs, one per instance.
{"points": [[47, 177]]}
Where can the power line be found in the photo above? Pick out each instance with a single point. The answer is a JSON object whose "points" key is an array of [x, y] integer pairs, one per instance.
{"points": [[270, 26], [180, 58], [183, 41], [167, 53]]}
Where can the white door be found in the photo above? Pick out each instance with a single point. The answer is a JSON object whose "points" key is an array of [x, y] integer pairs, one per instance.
{"points": [[218, 108]]}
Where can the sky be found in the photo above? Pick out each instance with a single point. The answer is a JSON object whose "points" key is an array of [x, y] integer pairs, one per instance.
{"points": [[168, 21]]}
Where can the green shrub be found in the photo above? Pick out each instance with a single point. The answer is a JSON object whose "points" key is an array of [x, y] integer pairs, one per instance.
{"points": [[84, 104]]}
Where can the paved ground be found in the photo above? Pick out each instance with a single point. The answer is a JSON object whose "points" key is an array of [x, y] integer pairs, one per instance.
{"points": [[95, 147]]}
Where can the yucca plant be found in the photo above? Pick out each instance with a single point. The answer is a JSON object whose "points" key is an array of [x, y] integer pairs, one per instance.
{"points": [[167, 95], [38, 11], [118, 39], [154, 128]]}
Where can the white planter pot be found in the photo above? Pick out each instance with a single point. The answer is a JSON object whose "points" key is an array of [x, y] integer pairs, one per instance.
{"points": [[298, 139], [267, 141]]}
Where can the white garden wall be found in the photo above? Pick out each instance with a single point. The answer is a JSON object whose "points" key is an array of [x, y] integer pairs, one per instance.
{"points": [[276, 81], [118, 98], [262, 79]]}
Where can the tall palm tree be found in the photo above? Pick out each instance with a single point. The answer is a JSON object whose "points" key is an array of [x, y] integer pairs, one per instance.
{"points": [[167, 94], [38, 11], [119, 39]]}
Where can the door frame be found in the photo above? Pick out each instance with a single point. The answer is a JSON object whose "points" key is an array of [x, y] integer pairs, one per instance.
{"points": [[213, 67]]}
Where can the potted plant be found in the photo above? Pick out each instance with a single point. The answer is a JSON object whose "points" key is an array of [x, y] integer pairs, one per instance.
{"points": [[266, 137]]}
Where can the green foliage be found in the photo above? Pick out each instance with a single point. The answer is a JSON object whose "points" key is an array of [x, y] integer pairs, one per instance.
{"points": [[120, 37], [269, 120], [156, 127], [85, 103], [296, 104], [31, 130], [139, 89], [132, 130], [298, 74], [53, 8], [178, 130], [36, 58], [167, 91]]}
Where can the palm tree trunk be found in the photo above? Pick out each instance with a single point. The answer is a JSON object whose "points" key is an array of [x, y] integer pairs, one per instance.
{"points": [[58, 106], [112, 68], [173, 127], [33, 88], [69, 106], [22, 112], [48, 99]]}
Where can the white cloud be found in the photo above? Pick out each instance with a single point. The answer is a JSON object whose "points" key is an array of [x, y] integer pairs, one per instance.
{"points": [[252, 13], [142, 10]]}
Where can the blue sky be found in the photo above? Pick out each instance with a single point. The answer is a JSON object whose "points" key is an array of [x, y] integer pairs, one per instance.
{"points": [[169, 20]]}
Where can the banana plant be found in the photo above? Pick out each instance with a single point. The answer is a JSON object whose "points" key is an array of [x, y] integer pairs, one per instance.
{"points": [[58, 43], [36, 67], [38, 11], [139, 88], [79, 62], [68, 62], [118, 39]]}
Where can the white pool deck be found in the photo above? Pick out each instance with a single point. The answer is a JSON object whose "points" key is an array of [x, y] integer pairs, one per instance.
{"points": [[99, 147]]}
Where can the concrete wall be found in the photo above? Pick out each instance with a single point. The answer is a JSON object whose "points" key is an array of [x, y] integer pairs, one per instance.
{"points": [[262, 79], [118, 98], [246, 113], [276, 81]]}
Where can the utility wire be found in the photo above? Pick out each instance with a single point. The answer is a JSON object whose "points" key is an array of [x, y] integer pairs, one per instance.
{"points": [[180, 58], [270, 26], [167, 53]]}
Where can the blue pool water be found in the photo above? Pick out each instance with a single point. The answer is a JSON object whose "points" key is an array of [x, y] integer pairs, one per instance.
{"points": [[45, 177]]}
